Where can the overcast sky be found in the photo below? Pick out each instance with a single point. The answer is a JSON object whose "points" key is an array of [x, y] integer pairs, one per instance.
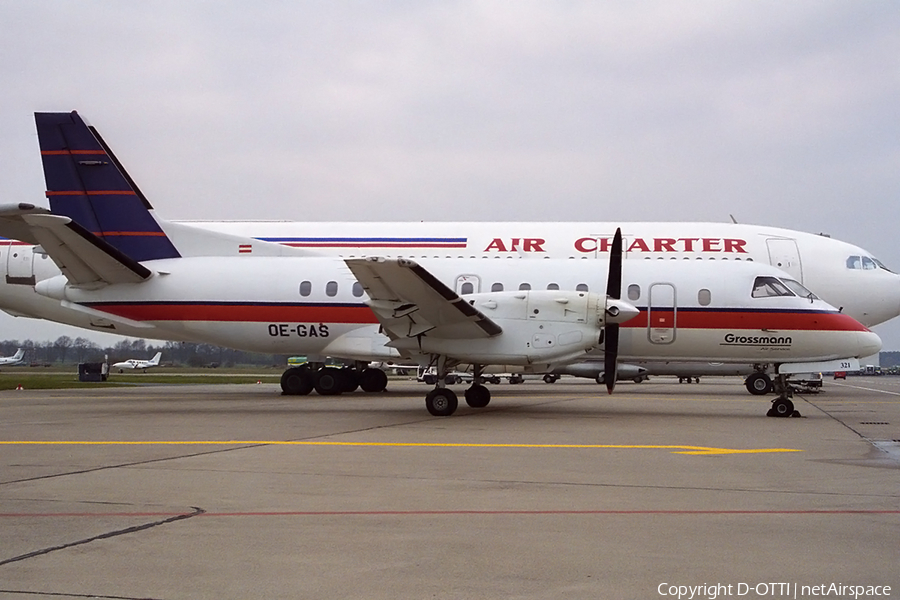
{"points": [[779, 113]]}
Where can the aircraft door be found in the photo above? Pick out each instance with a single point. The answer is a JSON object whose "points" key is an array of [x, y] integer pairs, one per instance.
{"points": [[19, 264], [468, 284], [783, 253], [662, 314]]}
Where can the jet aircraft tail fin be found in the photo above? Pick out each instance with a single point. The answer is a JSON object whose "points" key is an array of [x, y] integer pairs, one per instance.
{"points": [[86, 183], [155, 360]]}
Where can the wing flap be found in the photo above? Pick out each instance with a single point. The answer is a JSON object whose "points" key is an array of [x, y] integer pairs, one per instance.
{"points": [[409, 301]]}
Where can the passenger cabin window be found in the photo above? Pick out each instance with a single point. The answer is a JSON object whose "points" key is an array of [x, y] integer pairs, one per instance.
{"points": [[704, 297], [357, 289], [768, 287], [581, 287], [305, 288], [466, 288], [552, 286], [331, 289], [634, 291], [524, 286], [798, 289], [497, 287]]}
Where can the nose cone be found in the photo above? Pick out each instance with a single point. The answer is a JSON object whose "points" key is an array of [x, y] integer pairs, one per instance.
{"points": [[619, 311], [869, 343]]}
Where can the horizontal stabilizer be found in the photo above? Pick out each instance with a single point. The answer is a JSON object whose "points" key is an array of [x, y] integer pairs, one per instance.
{"points": [[83, 258], [13, 226], [409, 301]]}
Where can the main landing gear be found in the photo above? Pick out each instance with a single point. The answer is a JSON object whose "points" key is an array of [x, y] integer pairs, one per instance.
{"points": [[331, 381], [782, 405], [758, 384], [443, 402]]}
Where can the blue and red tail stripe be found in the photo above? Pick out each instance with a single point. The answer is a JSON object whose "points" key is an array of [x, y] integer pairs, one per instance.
{"points": [[86, 183], [368, 242], [10, 242]]}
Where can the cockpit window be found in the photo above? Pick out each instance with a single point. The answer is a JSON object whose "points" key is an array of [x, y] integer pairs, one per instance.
{"points": [[877, 262], [768, 287], [798, 289], [865, 263]]}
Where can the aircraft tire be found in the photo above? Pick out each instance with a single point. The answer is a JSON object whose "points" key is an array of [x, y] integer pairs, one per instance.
{"points": [[350, 378], [550, 378], [478, 396], [441, 402], [758, 384], [782, 407], [329, 381], [296, 381], [373, 380]]}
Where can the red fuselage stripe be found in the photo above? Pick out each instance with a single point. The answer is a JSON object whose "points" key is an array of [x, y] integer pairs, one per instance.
{"points": [[713, 319], [724, 320]]}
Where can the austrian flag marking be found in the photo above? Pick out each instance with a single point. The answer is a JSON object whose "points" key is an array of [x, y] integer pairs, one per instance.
{"points": [[245, 248]]}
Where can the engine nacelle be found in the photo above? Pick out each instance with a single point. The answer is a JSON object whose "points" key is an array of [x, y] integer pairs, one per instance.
{"points": [[538, 326]]}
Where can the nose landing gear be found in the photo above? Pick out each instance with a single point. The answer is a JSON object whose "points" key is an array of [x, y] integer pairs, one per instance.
{"points": [[782, 405]]}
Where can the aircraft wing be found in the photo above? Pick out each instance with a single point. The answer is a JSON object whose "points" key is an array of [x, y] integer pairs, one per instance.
{"points": [[409, 301], [83, 257]]}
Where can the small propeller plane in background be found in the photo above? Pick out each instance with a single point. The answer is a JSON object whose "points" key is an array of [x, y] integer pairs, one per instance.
{"points": [[134, 363], [15, 359]]}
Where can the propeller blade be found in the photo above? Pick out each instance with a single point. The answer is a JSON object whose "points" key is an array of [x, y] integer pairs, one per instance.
{"points": [[614, 291], [610, 359], [614, 280]]}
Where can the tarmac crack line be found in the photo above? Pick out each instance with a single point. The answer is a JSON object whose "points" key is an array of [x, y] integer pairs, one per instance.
{"points": [[103, 536], [72, 595]]}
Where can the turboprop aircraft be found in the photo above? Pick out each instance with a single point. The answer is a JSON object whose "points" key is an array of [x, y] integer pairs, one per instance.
{"points": [[538, 313], [135, 363], [842, 274], [14, 359]]}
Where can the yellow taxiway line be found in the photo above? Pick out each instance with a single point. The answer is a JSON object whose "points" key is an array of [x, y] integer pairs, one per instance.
{"points": [[676, 449]]}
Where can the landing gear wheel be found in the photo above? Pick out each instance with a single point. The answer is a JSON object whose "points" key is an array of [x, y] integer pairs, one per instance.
{"points": [[441, 402], [329, 381], [638, 379], [350, 378], [600, 378], [782, 407], [478, 396], [550, 378], [758, 384], [373, 380], [296, 381]]}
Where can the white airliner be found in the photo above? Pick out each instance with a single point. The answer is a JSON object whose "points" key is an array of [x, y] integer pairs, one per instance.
{"points": [[14, 359], [69, 147], [843, 274], [134, 363], [387, 309]]}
